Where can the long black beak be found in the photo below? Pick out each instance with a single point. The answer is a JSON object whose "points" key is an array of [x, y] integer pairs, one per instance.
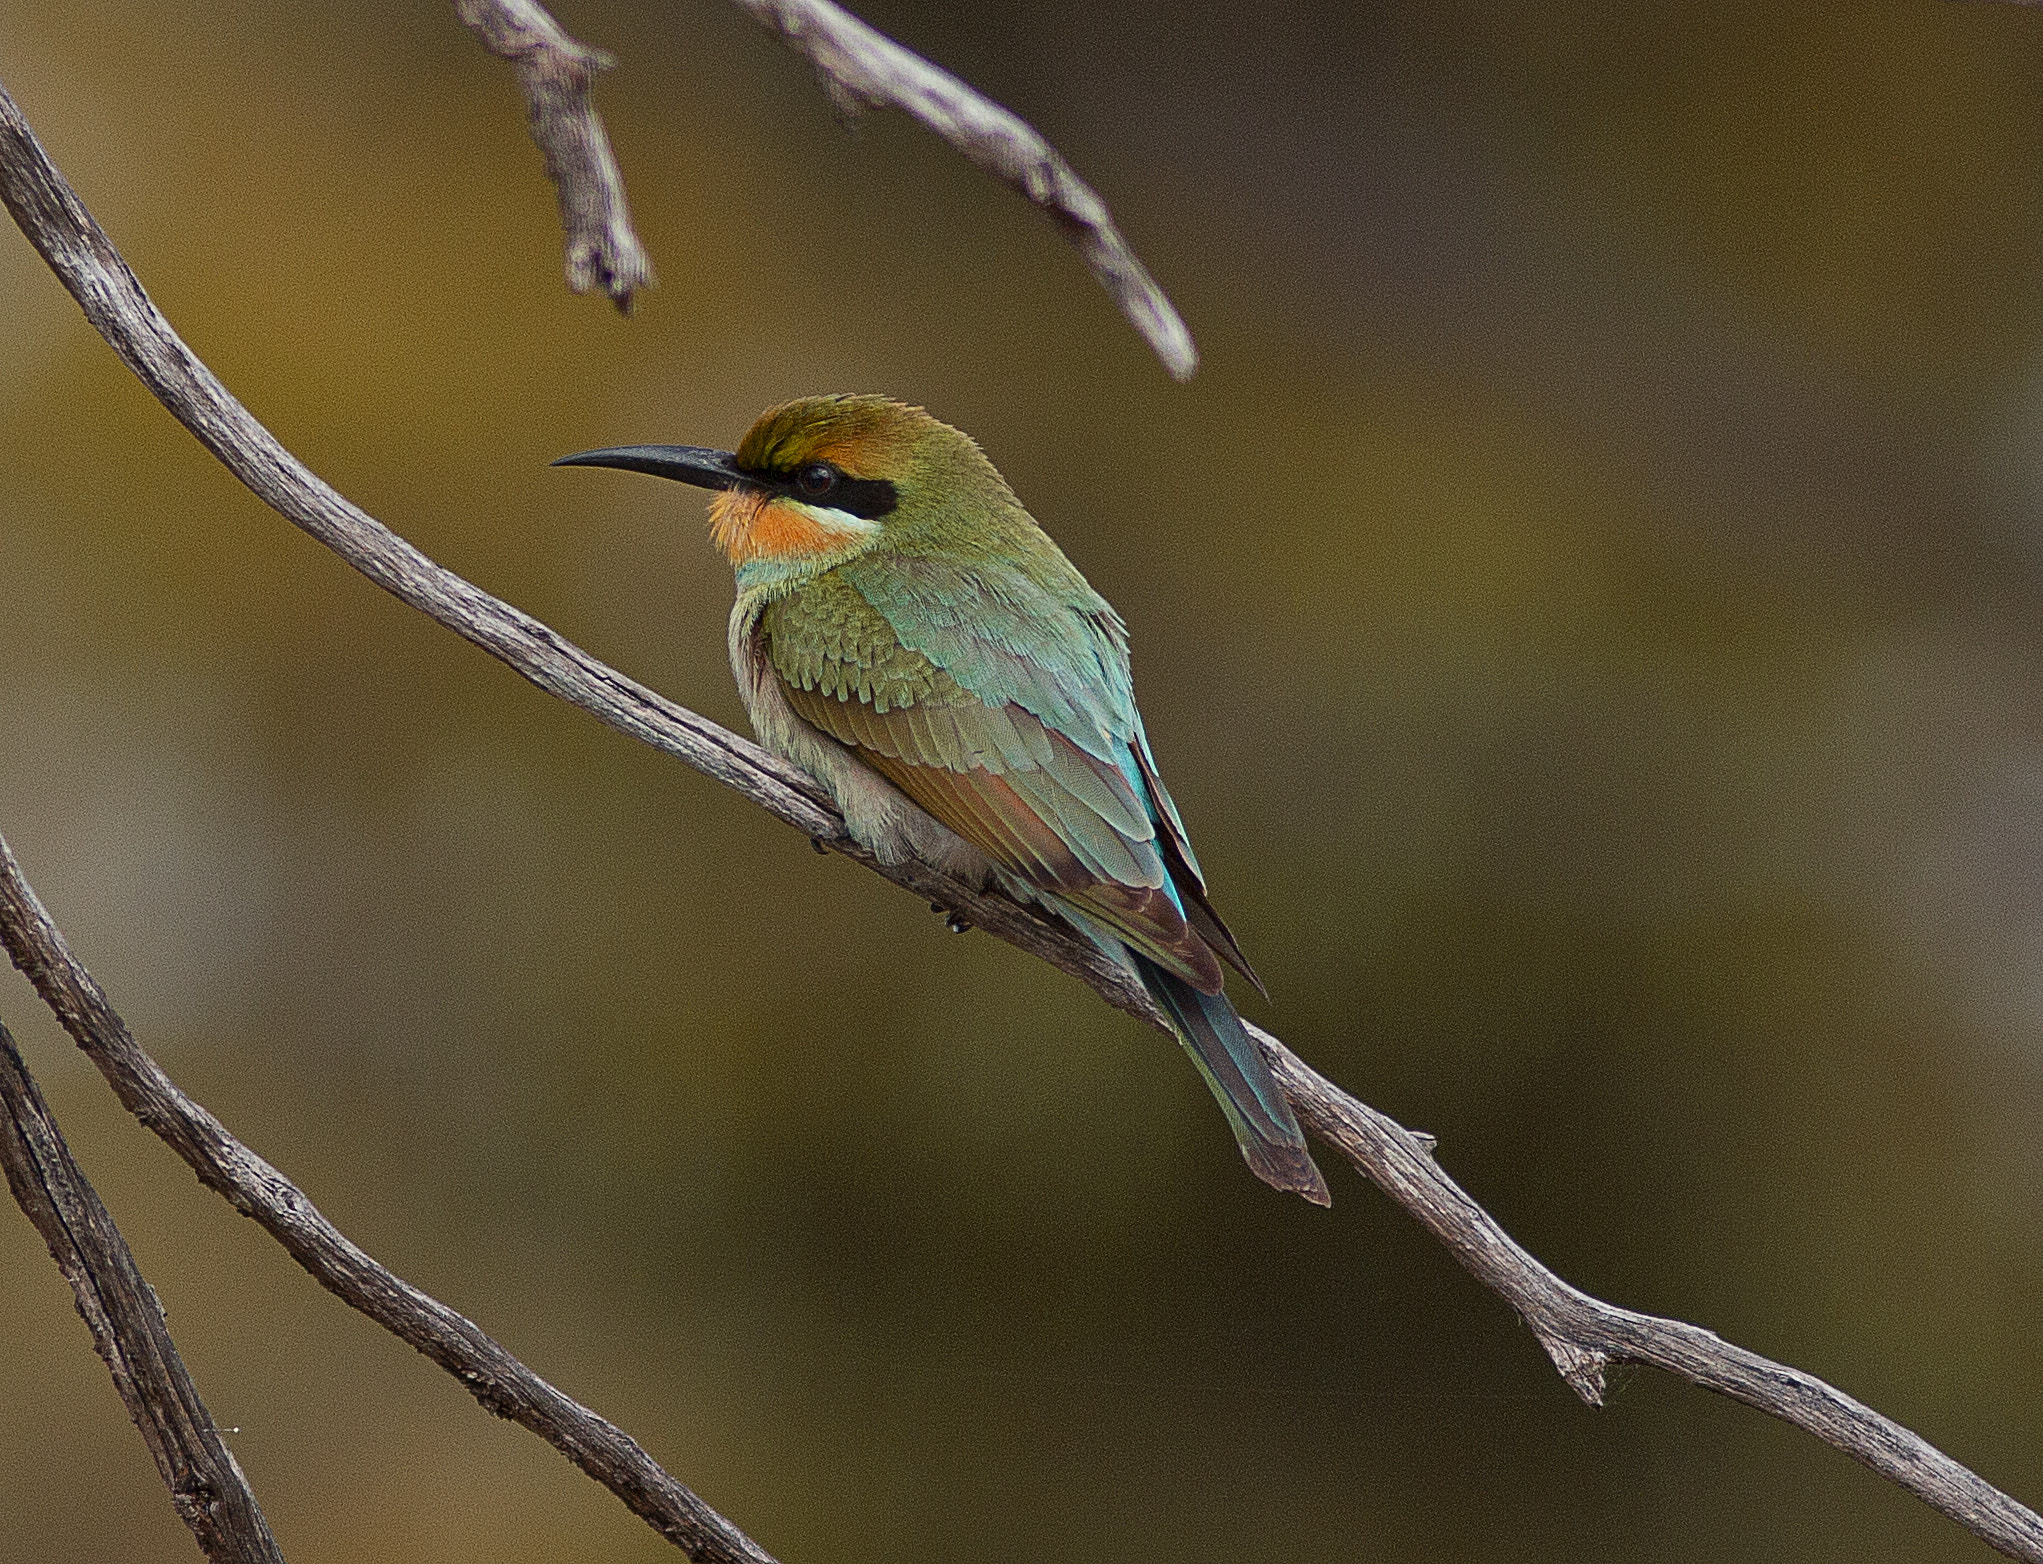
{"points": [[696, 464]]}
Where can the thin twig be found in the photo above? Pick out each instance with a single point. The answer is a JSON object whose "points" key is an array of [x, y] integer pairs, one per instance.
{"points": [[1581, 1334], [557, 74], [127, 1325], [861, 68], [224, 1165]]}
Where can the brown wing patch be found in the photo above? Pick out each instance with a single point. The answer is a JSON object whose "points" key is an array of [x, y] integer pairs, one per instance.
{"points": [[986, 810], [988, 813]]}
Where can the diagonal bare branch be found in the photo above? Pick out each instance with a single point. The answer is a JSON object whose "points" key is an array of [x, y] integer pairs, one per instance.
{"points": [[224, 1165], [557, 75], [1584, 1335], [862, 68], [1581, 1334], [127, 1325]]}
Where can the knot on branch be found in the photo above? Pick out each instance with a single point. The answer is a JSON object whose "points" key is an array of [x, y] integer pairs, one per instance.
{"points": [[491, 1395], [196, 1500], [1582, 1367]]}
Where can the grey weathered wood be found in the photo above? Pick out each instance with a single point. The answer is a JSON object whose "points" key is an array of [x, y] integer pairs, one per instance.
{"points": [[127, 1325], [224, 1165], [1584, 1335], [1581, 1334], [556, 73], [861, 68]]}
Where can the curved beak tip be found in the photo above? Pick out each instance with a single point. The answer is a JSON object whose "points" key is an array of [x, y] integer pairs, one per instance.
{"points": [[699, 465]]}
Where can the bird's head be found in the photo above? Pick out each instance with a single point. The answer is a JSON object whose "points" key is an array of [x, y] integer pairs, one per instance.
{"points": [[823, 479]]}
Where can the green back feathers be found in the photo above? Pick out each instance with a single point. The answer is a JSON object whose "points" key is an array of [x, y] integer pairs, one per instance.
{"points": [[958, 572], [827, 638], [1054, 649]]}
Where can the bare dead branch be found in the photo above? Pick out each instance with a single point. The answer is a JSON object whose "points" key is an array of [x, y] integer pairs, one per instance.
{"points": [[1581, 1334], [557, 74], [127, 1325], [861, 68], [224, 1165], [1584, 1335]]}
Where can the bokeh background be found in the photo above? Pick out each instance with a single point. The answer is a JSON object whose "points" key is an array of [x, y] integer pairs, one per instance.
{"points": [[1589, 605]]}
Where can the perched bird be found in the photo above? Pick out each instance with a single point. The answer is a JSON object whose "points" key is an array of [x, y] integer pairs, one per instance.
{"points": [[906, 634]]}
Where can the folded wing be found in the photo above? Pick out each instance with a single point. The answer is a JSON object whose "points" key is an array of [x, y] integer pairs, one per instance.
{"points": [[1033, 755]]}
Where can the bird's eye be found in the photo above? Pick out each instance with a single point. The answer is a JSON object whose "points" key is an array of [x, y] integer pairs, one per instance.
{"points": [[817, 479]]}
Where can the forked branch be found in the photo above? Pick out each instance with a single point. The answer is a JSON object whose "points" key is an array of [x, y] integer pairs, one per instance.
{"points": [[245, 1181], [1581, 1334]]}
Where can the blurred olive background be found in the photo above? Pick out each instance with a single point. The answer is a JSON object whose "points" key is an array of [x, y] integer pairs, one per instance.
{"points": [[1589, 606]]}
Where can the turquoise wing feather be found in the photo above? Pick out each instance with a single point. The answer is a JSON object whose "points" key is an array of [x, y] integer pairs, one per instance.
{"points": [[1016, 731], [1035, 634], [1005, 709]]}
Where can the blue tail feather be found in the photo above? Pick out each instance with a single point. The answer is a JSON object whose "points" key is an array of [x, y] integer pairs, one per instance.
{"points": [[1263, 1123]]}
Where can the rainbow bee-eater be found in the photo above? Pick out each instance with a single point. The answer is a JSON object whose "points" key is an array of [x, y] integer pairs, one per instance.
{"points": [[906, 634]]}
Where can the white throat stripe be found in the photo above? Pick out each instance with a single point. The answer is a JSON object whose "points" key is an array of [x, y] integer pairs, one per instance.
{"points": [[839, 521]]}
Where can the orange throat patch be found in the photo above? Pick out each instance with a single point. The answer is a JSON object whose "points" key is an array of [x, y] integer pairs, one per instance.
{"points": [[749, 525]]}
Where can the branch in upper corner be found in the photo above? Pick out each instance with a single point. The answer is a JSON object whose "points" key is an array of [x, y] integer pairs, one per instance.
{"points": [[1581, 1334], [862, 68], [127, 1325], [556, 73]]}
